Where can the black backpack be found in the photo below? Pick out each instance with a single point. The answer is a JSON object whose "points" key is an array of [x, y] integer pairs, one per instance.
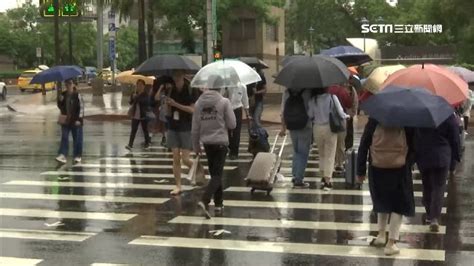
{"points": [[295, 115]]}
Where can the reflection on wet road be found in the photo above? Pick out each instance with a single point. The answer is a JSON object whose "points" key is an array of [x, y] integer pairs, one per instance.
{"points": [[115, 208]]}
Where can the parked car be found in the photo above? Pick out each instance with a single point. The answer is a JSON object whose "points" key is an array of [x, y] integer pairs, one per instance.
{"points": [[107, 74], [25, 78], [3, 91], [89, 74]]}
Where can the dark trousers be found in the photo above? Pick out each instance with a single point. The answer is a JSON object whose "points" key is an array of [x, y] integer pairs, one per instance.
{"points": [[135, 123], [466, 122], [216, 159], [234, 135], [434, 187], [349, 134]]}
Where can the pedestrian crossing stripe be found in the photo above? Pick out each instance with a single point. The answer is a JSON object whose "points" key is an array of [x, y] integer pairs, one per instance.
{"points": [[317, 170], [147, 153], [120, 185], [339, 180], [19, 261], [309, 206], [284, 247], [309, 161], [131, 159], [138, 166], [316, 191], [165, 148], [45, 235], [41, 213], [105, 174], [108, 264], [292, 224], [106, 198]]}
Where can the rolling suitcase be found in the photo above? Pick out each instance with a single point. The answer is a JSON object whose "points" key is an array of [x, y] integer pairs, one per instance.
{"points": [[350, 171], [264, 169]]}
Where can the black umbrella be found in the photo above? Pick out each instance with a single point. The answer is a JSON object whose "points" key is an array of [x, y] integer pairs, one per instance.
{"points": [[254, 62], [289, 58], [407, 107], [312, 72], [349, 55], [164, 64]]}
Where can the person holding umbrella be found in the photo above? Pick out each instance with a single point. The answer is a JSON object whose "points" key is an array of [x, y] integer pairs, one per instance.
{"points": [[71, 120], [436, 149], [387, 144], [212, 119], [140, 109]]}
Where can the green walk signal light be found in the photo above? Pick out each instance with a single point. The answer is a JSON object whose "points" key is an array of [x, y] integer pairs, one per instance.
{"points": [[70, 9], [67, 8]]}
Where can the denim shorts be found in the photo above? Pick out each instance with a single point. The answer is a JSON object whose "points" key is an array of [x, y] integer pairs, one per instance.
{"points": [[179, 140]]}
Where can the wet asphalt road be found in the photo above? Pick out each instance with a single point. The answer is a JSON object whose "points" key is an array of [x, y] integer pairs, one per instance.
{"points": [[115, 208]]}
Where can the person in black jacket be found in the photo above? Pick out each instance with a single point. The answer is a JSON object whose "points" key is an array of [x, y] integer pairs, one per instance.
{"points": [[436, 149], [71, 121], [391, 189], [139, 112]]}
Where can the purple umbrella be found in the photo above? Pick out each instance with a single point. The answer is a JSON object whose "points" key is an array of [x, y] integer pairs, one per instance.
{"points": [[466, 74]]}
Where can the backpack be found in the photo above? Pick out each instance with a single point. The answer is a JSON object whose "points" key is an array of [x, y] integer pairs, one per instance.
{"points": [[389, 147], [295, 114]]}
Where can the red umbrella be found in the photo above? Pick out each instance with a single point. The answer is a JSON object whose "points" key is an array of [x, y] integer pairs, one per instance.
{"points": [[342, 94], [438, 80]]}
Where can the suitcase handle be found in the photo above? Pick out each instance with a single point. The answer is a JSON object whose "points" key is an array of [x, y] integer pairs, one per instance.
{"points": [[282, 144]]}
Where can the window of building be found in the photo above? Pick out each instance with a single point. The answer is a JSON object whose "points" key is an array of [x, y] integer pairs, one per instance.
{"points": [[272, 32], [243, 29]]}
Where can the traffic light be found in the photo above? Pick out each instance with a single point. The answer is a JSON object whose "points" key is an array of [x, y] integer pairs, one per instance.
{"points": [[67, 8]]}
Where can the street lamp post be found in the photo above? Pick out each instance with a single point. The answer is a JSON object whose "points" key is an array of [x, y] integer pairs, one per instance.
{"points": [[311, 30], [364, 21]]}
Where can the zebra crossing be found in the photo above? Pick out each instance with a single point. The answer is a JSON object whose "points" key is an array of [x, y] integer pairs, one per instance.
{"points": [[122, 179]]}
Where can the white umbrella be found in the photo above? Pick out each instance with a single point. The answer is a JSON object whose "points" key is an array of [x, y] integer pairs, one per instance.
{"points": [[225, 73]]}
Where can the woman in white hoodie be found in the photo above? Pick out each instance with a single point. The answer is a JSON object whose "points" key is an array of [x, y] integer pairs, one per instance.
{"points": [[213, 117]]}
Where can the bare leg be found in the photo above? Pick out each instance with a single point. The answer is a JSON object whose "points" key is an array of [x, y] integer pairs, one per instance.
{"points": [[185, 158], [177, 171]]}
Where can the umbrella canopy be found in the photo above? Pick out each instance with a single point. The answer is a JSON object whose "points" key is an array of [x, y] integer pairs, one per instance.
{"points": [[407, 107], [438, 80], [127, 77], [466, 74], [164, 64], [57, 73], [289, 58], [254, 62], [231, 72], [378, 76], [349, 55], [316, 71]]}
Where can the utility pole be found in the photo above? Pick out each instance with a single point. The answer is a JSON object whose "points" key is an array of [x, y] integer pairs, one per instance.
{"points": [[209, 32], [98, 83], [57, 42], [70, 41]]}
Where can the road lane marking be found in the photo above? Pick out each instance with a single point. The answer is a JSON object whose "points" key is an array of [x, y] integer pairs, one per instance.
{"points": [[141, 153], [286, 161], [9, 261], [137, 166], [107, 216], [313, 172], [105, 174], [277, 190], [106, 198], [283, 223], [44, 235], [120, 185], [131, 159], [283, 247], [310, 206]]}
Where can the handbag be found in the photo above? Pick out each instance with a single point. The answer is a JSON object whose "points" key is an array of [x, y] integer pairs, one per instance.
{"points": [[63, 120], [150, 116], [336, 122]]}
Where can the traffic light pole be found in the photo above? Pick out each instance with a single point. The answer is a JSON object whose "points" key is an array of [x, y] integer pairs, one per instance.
{"points": [[57, 44], [70, 41]]}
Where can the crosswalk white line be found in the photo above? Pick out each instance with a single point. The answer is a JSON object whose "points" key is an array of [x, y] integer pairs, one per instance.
{"points": [[45, 235], [120, 185], [348, 192], [309, 161], [137, 166], [9, 261], [131, 159], [40, 213], [148, 153], [306, 205], [105, 174], [284, 223], [106, 198], [337, 180], [284, 247], [108, 264], [160, 148]]}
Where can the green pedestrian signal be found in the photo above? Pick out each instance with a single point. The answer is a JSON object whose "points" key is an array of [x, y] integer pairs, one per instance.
{"points": [[67, 8]]}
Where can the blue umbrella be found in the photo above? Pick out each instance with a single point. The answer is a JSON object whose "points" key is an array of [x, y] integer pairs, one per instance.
{"points": [[349, 55], [407, 107], [57, 73]]}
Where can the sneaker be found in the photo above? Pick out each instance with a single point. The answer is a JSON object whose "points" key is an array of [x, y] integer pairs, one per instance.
{"points": [[219, 209], [129, 147], [434, 226], [391, 250], [61, 158], [301, 185], [338, 169], [379, 241], [204, 209], [77, 160], [326, 186]]}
